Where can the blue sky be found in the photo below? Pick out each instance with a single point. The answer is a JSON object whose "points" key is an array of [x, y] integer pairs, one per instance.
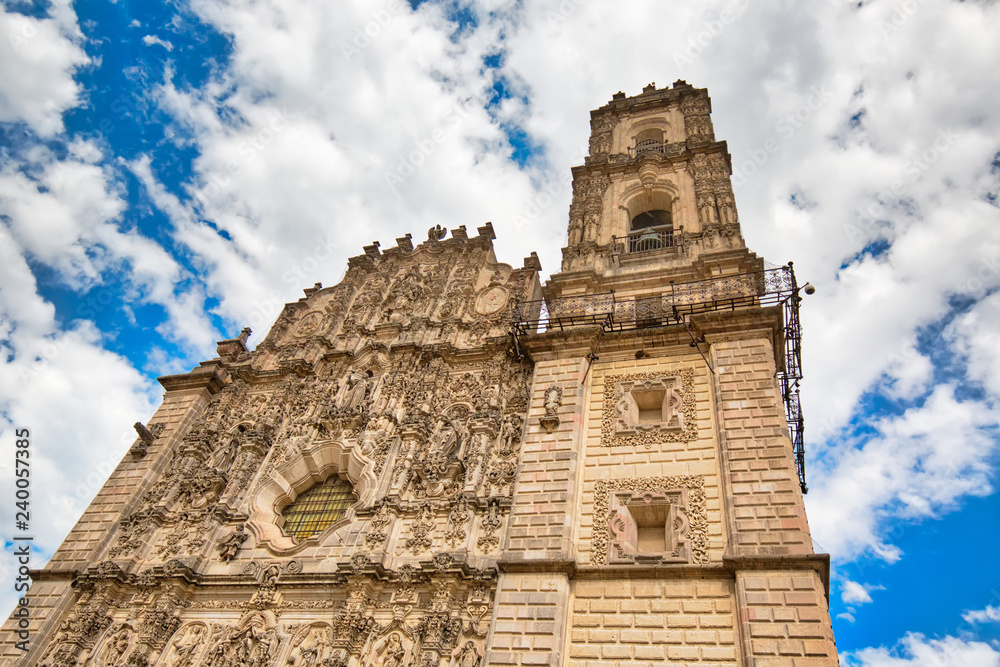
{"points": [[170, 173]]}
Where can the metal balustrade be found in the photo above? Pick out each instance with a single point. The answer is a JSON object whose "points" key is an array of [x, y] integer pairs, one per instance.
{"points": [[647, 239], [772, 287]]}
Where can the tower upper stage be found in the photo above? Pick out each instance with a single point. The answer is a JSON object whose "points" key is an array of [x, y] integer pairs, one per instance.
{"points": [[653, 200]]}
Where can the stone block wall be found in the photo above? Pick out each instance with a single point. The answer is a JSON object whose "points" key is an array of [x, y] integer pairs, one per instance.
{"points": [[767, 506], [787, 618], [619, 622], [697, 457]]}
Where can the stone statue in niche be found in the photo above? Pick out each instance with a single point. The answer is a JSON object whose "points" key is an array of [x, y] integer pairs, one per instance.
{"points": [[391, 653], [115, 649], [224, 454], [312, 649], [359, 389], [447, 437], [182, 650], [467, 656], [230, 547], [553, 399]]}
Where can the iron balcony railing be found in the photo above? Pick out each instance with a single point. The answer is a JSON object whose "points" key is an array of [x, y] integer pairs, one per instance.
{"points": [[648, 146], [644, 240], [772, 287]]}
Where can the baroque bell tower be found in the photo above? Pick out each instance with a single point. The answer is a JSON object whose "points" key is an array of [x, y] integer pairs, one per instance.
{"points": [[658, 515]]}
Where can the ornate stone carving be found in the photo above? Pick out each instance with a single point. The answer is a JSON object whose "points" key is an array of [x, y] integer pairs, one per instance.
{"points": [[378, 527], [230, 547], [649, 408], [467, 656], [456, 534], [490, 523], [114, 648], [553, 399], [184, 646], [253, 643], [606, 532], [421, 530], [491, 300], [311, 646]]}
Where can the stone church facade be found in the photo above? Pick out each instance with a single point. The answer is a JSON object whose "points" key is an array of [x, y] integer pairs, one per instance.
{"points": [[442, 462]]}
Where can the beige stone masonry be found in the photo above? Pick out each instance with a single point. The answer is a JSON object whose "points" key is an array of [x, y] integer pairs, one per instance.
{"points": [[529, 620], [541, 524], [787, 618], [768, 512], [619, 622]]}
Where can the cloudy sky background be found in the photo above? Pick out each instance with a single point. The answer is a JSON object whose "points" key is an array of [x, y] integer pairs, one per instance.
{"points": [[170, 174]]}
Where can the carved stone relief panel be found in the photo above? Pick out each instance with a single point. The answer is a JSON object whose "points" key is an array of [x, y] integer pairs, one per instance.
{"points": [[650, 520], [649, 408], [185, 646]]}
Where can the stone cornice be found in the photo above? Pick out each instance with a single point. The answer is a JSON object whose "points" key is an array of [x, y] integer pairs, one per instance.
{"points": [[209, 376]]}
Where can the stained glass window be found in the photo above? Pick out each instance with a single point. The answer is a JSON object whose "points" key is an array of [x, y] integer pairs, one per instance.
{"points": [[318, 508]]}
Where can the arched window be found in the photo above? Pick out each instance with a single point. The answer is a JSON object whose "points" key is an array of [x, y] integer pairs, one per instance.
{"points": [[318, 508], [651, 230], [654, 218], [649, 141]]}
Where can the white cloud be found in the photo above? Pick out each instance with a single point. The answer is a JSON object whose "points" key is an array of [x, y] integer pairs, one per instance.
{"points": [[990, 614], [976, 334], [38, 57], [918, 466], [916, 650], [150, 40], [853, 593], [76, 398]]}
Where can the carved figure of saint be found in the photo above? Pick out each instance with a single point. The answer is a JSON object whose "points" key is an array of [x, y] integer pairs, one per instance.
{"points": [[223, 457], [186, 646], [310, 652], [394, 652], [116, 648], [359, 388], [446, 438], [230, 546], [469, 657]]}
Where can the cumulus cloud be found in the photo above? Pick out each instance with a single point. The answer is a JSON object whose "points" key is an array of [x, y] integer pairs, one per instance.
{"points": [[990, 614], [917, 466], [38, 57], [916, 650], [150, 40], [853, 593], [75, 398], [864, 146]]}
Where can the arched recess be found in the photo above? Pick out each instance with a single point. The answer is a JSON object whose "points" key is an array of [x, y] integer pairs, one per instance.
{"points": [[314, 466], [640, 199], [648, 135]]}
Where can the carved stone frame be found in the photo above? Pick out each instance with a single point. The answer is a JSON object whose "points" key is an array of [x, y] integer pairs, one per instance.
{"points": [[316, 463], [680, 381], [691, 486]]}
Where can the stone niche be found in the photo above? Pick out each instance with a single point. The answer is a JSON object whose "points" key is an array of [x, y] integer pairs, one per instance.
{"points": [[648, 527], [649, 408]]}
